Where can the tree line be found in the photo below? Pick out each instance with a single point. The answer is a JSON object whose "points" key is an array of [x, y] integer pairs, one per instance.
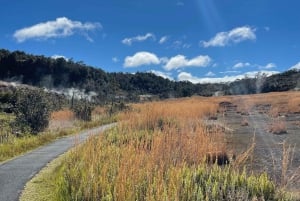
{"points": [[60, 73]]}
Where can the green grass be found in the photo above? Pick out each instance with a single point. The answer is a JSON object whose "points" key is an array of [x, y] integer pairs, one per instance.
{"points": [[42, 186], [19, 145], [16, 146]]}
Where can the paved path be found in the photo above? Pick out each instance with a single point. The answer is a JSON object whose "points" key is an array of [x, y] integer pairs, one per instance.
{"points": [[15, 173]]}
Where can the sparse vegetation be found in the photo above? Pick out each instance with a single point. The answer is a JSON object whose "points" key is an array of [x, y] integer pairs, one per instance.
{"points": [[278, 126]]}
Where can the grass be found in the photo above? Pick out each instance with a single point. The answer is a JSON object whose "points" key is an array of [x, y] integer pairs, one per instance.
{"points": [[278, 126], [158, 152], [41, 186], [15, 146], [285, 102], [294, 105]]}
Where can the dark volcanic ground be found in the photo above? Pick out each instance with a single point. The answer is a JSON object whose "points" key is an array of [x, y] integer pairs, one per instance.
{"points": [[268, 152]]}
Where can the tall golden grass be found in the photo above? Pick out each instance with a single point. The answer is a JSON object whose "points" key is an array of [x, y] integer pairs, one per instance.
{"points": [[62, 115], [274, 104], [158, 151]]}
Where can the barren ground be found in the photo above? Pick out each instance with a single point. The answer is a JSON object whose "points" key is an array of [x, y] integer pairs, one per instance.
{"points": [[268, 152]]}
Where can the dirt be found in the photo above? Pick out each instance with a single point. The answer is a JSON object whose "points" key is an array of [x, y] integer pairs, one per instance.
{"points": [[268, 152]]}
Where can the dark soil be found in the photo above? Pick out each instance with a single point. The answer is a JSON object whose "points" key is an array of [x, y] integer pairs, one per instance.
{"points": [[268, 152]]}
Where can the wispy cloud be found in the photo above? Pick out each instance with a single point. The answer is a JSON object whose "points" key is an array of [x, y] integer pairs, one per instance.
{"points": [[139, 38], [268, 66], [163, 39], [235, 35], [181, 61], [141, 58], [210, 74], [178, 44], [184, 76], [230, 72], [60, 28], [296, 66], [165, 75], [115, 59], [241, 65]]}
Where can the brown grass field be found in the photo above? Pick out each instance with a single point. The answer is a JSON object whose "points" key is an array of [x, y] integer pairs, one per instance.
{"points": [[178, 150], [61, 119]]}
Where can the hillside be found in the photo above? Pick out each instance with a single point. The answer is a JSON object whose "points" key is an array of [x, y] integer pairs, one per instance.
{"points": [[60, 74]]}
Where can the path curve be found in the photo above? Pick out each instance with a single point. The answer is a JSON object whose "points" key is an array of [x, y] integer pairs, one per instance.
{"points": [[14, 174]]}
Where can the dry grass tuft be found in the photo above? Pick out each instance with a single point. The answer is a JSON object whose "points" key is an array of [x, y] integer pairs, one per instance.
{"points": [[278, 126], [294, 105]]}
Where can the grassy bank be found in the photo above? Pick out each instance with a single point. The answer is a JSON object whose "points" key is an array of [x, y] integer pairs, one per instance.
{"points": [[14, 146], [17, 146]]}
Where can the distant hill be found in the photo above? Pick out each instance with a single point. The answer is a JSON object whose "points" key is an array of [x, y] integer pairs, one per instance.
{"points": [[61, 74]]}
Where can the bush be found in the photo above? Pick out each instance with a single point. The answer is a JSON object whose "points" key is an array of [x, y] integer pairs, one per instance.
{"points": [[32, 110], [83, 110]]}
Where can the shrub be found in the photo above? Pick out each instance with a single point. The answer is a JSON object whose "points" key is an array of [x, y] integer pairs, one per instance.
{"points": [[32, 110], [278, 126], [83, 110]]}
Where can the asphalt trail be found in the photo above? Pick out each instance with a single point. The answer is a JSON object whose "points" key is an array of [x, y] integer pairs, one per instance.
{"points": [[14, 174]]}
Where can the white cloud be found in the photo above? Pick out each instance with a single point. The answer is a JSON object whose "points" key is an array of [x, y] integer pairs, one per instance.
{"points": [[296, 66], [235, 35], [163, 39], [184, 76], [59, 56], [115, 59], [141, 58], [180, 61], [139, 38], [162, 74], [268, 66], [164, 60], [210, 74], [60, 28], [230, 72], [241, 65]]}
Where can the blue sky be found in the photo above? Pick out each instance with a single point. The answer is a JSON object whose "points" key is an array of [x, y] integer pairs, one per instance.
{"points": [[195, 40]]}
